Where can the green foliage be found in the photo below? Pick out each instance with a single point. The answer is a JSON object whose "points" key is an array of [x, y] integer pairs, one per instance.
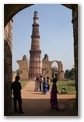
{"points": [[68, 85], [70, 74], [24, 83]]}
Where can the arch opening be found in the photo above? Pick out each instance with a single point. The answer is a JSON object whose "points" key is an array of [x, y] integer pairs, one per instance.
{"points": [[54, 68]]}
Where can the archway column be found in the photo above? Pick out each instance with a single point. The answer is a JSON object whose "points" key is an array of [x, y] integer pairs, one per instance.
{"points": [[75, 34], [7, 68]]}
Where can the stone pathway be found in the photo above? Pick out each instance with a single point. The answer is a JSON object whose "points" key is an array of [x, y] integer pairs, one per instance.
{"points": [[37, 104]]}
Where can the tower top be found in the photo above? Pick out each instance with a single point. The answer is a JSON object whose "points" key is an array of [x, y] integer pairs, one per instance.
{"points": [[35, 18], [35, 12], [35, 25]]}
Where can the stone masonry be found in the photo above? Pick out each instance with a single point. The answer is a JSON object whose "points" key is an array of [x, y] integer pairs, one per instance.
{"points": [[23, 68], [47, 68], [75, 35], [35, 65], [7, 67]]}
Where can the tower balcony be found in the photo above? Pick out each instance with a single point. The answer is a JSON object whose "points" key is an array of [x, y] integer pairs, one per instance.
{"points": [[35, 24], [35, 51], [35, 36]]}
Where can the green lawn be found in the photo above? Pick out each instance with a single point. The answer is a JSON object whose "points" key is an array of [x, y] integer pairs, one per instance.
{"points": [[24, 83], [68, 85]]}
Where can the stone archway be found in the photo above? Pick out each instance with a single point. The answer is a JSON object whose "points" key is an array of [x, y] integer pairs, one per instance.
{"points": [[9, 11], [12, 9], [60, 69], [47, 68]]}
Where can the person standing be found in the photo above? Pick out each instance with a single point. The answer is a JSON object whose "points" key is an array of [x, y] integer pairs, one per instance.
{"points": [[45, 85], [53, 95], [41, 83], [37, 84], [48, 81], [16, 87]]}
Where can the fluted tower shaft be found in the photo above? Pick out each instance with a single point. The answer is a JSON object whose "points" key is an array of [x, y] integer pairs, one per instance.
{"points": [[35, 65]]}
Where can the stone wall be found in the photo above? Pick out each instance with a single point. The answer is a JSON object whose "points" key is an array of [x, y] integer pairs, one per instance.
{"points": [[47, 68], [75, 35], [7, 67], [23, 68], [60, 70], [13, 75]]}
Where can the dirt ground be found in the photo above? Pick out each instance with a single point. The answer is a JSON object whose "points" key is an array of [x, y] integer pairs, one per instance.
{"points": [[38, 104]]}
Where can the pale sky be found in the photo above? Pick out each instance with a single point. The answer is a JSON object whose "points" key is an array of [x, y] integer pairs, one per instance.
{"points": [[56, 34]]}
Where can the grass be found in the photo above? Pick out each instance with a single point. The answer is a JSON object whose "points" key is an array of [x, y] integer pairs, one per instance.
{"points": [[24, 83], [68, 85]]}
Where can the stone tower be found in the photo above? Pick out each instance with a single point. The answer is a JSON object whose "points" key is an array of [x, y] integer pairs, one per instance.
{"points": [[35, 65]]}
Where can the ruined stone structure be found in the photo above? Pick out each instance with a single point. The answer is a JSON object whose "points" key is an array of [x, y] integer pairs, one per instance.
{"points": [[13, 75], [9, 11], [47, 68], [23, 68], [35, 67]]}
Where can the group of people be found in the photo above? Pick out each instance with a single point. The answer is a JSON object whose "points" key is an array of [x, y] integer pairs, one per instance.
{"points": [[41, 84]]}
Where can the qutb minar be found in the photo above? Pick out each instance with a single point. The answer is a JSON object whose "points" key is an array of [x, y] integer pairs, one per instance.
{"points": [[35, 64]]}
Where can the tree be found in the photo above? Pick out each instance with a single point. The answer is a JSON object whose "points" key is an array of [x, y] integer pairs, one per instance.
{"points": [[72, 77], [70, 74], [67, 73]]}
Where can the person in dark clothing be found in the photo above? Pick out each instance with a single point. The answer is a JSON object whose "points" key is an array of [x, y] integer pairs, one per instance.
{"points": [[53, 96], [16, 87], [48, 82], [45, 85]]}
